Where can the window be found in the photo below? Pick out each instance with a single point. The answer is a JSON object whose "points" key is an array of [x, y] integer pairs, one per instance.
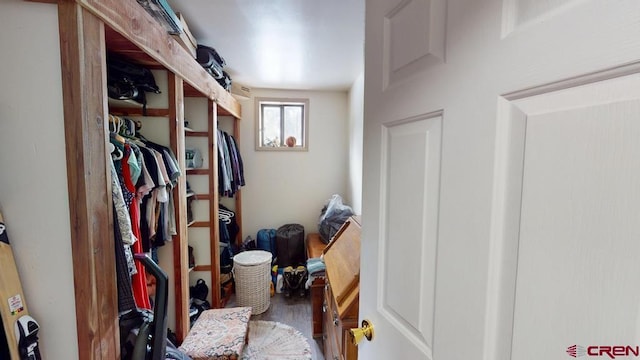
{"points": [[282, 124]]}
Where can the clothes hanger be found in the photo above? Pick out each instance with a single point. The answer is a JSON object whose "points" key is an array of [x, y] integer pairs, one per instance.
{"points": [[226, 213], [116, 154], [225, 216], [116, 121]]}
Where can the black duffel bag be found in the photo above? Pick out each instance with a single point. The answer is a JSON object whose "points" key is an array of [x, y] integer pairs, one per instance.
{"points": [[290, 245], [211, 61]]}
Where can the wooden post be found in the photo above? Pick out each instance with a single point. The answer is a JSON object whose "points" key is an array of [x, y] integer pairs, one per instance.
{"points": [[213, 190], [82, 51], [180, 241]]}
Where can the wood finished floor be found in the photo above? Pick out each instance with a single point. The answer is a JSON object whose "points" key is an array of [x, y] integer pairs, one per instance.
{"points": [[295, 312]]}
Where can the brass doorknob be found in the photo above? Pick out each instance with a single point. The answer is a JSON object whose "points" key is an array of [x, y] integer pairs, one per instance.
{"points": [[366, 331]]}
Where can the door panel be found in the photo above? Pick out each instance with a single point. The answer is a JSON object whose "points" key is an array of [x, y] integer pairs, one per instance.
{"points": [[414, 38], [518, 13], [577, 251], [411, 158], [568, 161]]}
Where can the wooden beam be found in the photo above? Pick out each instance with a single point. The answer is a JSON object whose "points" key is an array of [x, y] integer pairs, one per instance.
{"points": [[213, 204], [142, 30], [180, 241], [82, 52]]}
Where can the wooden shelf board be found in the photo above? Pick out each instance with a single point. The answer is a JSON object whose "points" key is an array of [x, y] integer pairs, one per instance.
{"points": [[196, 133], [203, 196], [197, 171], [137, 111], [202, 268], [200, 224]]}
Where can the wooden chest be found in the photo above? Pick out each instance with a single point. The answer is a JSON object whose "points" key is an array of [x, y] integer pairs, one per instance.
{"points": [[341, 295]]}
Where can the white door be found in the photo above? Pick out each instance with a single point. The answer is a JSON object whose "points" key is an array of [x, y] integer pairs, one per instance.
{"points": [[501, 195]]}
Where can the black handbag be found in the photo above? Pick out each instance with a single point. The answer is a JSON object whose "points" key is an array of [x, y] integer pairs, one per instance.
{"points": [[200, 290], [129, 81]]}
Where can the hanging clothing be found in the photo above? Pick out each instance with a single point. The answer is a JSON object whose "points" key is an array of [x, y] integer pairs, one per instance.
{"points": [[230, 166], [120, 208], [126, 301], [143, 175], [124, 205], [236, 163], [224, 176], [139, 279]]}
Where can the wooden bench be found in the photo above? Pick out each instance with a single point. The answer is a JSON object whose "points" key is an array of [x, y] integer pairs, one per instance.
{"points": [[315, 246], [218, 334]]}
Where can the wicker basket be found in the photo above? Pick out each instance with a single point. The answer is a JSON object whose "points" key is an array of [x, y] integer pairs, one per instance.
{"points": [[252, 272]]}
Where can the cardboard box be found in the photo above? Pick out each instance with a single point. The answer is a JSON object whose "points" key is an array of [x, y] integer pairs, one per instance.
{"points": [[186, 31], [185, 38]]}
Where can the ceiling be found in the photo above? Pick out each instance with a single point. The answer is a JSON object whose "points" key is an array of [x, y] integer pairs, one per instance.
{"points": [[282, 44]]}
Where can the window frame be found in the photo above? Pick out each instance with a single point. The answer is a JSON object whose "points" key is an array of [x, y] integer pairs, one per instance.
{"points": [[260, 101]]}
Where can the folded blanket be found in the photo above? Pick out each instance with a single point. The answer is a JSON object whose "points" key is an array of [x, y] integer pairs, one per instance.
{"points": [[315, 265]]}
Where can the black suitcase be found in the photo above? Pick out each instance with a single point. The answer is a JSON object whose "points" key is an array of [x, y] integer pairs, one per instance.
{"points": [[211, 61], [290, 245]]}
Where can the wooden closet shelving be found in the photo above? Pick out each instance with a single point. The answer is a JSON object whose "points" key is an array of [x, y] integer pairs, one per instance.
{"points": [[88, 29], [211, 196]]}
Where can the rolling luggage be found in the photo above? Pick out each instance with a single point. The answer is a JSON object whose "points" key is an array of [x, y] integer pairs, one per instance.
{"points": [[267, 241], [290, 245]]}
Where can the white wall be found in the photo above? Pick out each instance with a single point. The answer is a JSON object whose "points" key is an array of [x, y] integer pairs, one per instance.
{"points": [[292, 187], [33, 179], [356, 120]]}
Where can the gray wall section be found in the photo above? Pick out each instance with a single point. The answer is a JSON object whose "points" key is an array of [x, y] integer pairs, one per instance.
{"points": [[33, 176]]}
